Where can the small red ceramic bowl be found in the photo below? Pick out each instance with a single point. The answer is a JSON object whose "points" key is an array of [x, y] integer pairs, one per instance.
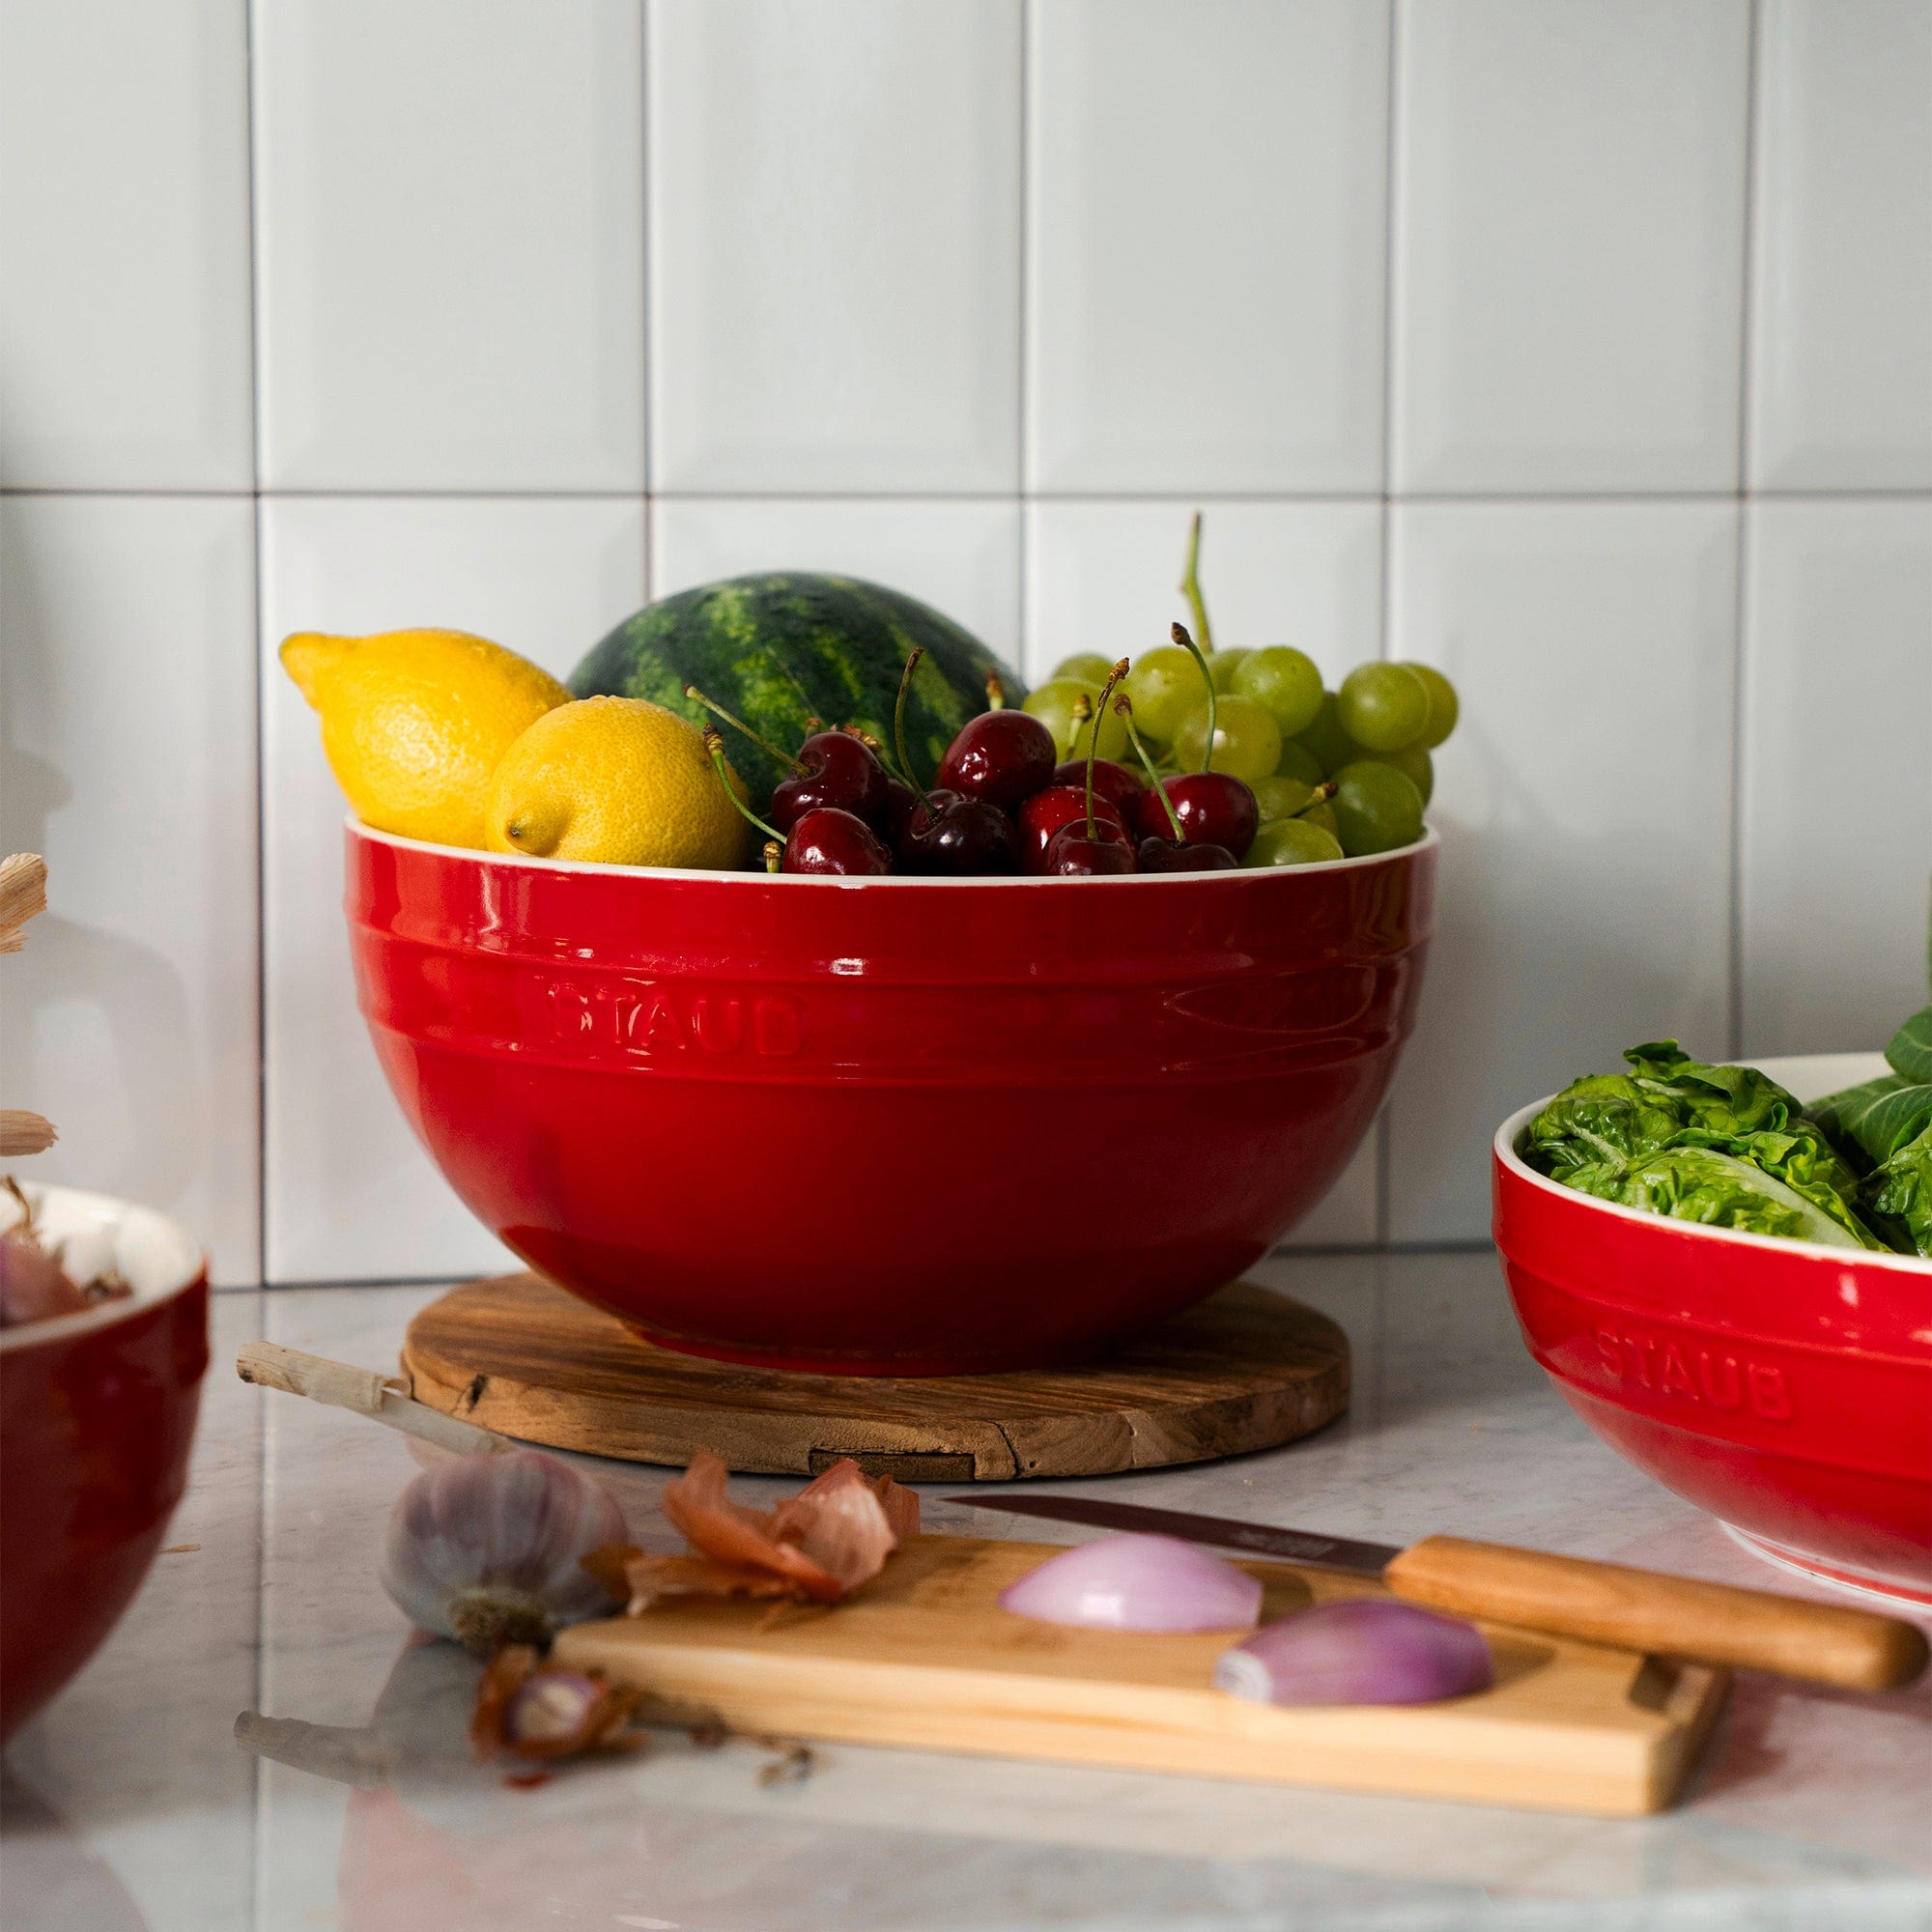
{"points": [[1782, 1385], [886, 1127], [97, 1412]]}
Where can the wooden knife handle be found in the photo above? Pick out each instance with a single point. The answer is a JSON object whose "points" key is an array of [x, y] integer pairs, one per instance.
{"points": [[1641, 1610]]}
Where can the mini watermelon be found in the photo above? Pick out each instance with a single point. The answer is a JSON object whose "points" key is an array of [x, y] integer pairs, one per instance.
{"points": [[788, 647]]}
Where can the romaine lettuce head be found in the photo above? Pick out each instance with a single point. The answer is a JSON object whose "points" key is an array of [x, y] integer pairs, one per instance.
{"points": [[1901, 1190], [1700, 1184], [1605, 1135], [1882, 1128]]}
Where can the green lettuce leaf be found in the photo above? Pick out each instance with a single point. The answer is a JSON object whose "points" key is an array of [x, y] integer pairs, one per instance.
{"points": [[1606, 1134], [1699, 1183], [1900, 1188], [1883, 1129]]}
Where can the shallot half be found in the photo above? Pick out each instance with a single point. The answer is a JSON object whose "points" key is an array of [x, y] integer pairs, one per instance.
{"points": [[1362, 1650], [489, 1548], [1137, 1582]]}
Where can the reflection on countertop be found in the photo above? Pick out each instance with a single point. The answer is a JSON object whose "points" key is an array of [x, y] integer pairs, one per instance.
{"points": [[349, 1798]]}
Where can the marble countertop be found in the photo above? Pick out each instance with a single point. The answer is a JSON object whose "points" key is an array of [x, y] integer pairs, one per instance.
{"points": [[130, 1804]]}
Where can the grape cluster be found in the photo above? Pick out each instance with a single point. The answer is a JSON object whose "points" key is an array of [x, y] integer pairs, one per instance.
{"points": [[1277, 728]]}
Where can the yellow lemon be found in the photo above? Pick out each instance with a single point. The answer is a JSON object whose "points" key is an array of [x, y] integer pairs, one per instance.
{"points": [[415, 722], [614, 781]]}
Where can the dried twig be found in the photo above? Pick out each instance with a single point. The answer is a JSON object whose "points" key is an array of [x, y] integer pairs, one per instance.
{"points": [[23, 893], [24, 1132]]}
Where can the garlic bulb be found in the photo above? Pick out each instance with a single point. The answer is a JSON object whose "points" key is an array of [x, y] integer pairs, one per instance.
{"points": [[489, 1548]]}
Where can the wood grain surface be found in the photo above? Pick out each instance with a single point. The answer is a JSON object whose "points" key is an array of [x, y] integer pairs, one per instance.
{"points": [[1244, 1370], [922, 1655]]}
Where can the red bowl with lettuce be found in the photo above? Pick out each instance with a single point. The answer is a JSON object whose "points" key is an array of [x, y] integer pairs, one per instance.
{"points": [[1707, 1263]]}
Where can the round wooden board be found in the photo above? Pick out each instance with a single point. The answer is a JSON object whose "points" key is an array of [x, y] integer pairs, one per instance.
{"points": [[1243, 1369]]}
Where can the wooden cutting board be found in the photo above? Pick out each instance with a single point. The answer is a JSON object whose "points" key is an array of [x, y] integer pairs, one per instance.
{"points": [[922, 1657]]}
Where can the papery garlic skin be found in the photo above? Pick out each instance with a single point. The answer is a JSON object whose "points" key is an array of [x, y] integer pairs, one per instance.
{"points": [[489, 1548]]}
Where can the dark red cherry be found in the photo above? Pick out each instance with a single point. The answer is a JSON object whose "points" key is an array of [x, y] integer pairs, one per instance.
{"points": [[957, 836], [841, 772], [1163, 855], [901, 802], [1046, 811], [1079, 851], [1214, 809], [999, 757], [826, 839], [1114, 783]]}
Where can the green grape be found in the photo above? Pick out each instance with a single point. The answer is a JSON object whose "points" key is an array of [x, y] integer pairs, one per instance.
{"points": [[1297, 761], [1223, 665], [1443, 707], [1291, 841], [1376, 809], [1247, 741], [1052, 704], [1088, 667], [1164, 685], [1413, 763], [1281, 797], [1382, 706], [1325, 742], [1286, 681]]}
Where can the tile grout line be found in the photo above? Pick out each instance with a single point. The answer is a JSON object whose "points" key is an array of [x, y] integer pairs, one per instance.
{"points": [[374, 492], [1022, 454], [1384, 1160], [257, 1784], [1734, 912], [647, 281]]}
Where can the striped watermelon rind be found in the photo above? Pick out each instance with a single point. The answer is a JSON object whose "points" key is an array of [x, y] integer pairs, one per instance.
{"points": [[784, 647]]}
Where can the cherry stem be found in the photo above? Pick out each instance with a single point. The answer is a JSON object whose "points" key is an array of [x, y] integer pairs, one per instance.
{"points": [[996, 692], [1097, 712], [1123, 705], [1190, 585], [714, 743], [1321, 793], [771, 751], [913, 657], [1180, 636]]}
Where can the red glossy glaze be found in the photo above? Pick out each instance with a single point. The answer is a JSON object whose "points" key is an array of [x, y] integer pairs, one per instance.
{"points": [[97, 1413], [1783, 1386], [712, 1103]]}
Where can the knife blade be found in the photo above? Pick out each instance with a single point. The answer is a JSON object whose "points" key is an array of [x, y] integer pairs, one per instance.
{"points": [[1565, 1595]]}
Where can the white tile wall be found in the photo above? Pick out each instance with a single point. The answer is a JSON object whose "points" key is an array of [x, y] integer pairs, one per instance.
{"points": [[962, 558], [1837, 799], [834, 235], [1843, 337], [1584, 896], [349, 1193], [981, 297], [1180, 335], [1569, 244], [127, 689], [123, 244], [449, 227]]}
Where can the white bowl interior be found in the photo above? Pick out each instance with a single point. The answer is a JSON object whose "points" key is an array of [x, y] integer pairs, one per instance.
{"points": [[95, 1236], [1810, 1076]]}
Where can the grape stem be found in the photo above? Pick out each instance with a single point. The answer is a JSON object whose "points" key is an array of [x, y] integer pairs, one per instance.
{"points": [[1320, 795], [714, 743], [1180, 636], [996, 692], [771, 751], [1190, 585], [773, 853], [1123, 707]]}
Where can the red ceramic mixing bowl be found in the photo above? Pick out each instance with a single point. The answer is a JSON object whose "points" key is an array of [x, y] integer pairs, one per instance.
{"points": [[886, 1126], [97, 1412], [1782, 1385]]}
